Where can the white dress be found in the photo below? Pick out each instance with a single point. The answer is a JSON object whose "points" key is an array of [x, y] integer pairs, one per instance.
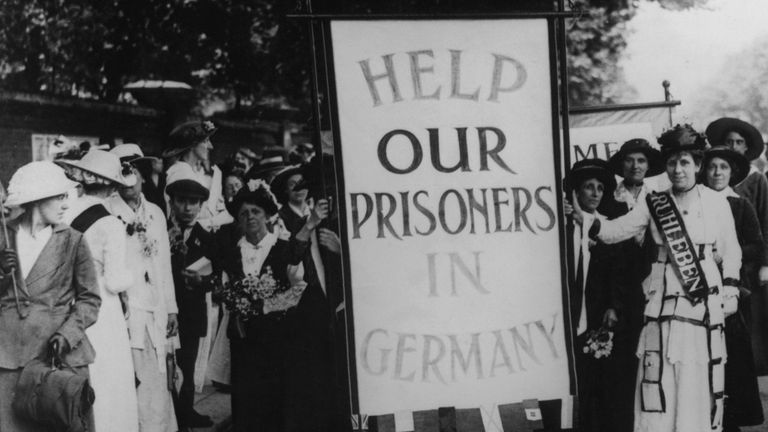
{"points": [[111, 374], [687, 348]]}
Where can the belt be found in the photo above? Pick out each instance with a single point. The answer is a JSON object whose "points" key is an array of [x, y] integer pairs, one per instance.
{"points": [[661, 255]]}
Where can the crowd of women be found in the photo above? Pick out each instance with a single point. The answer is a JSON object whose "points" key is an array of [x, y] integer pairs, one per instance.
{"points": [[672, 276], [118, 271], [131, 276]]}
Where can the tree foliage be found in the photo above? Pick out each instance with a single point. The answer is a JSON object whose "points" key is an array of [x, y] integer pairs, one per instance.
{"points": [[245, 51]]}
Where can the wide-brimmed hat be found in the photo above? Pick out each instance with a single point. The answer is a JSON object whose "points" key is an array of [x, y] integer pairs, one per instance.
{"points": [[587, 169], [680, 139], [278, 183], [36, 181], [255, 192], [182, 180], [718, 129], [131, 153], [247, 152], [272, 161], [739, 163], [187, 135], [637, 145], [98, 167]]}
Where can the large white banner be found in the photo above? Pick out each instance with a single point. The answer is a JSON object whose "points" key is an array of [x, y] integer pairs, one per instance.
{"points": [[447, 146]]}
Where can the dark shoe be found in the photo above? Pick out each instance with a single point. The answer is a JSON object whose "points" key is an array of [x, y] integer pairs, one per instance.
{"points": [[196, 420]]}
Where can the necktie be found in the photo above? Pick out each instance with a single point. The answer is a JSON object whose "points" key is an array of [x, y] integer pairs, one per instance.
{"points": [[582, 323]]}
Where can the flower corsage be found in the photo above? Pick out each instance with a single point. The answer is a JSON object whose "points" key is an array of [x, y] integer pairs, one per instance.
{"points": [[599, 343]]}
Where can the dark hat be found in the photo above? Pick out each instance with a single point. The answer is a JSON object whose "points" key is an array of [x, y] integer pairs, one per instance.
{"points": [[679, 139], [587, 169], [637, 145], [182, 181], [718, 129], [278, 183], [247, 152], [739, 163], [272, 160], [256, 193], [187, 135]]}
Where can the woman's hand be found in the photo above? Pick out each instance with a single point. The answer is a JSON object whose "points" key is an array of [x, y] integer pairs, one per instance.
{"points": [[763, 274], [319, 212], [610, 318], [730, 300], [172, 329], [58, 346], [329, 240], [9, 260], [573, 210], [192, 278]]}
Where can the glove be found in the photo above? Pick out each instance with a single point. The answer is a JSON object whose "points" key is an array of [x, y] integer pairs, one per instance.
{"points": [[730, 300], [58, 347], [9, 261]]}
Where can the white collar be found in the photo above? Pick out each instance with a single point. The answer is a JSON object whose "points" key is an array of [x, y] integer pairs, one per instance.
{"points": [[268, 241]]}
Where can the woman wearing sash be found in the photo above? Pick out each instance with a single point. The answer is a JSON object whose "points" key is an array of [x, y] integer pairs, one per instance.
{"points": [[723, 168], [112, 373], [682, 344]]}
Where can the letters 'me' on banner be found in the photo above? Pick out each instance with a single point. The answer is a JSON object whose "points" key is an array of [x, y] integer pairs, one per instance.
{"points": [[450, 187]]}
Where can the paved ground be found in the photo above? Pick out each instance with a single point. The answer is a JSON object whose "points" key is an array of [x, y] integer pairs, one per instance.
{"points": [[216, 405]]}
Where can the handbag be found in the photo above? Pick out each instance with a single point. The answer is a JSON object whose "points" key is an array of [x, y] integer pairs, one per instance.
{"points": [[54, 395]]}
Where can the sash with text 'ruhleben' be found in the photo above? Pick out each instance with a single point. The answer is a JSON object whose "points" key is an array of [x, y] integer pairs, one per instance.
{"points": [[682, 252]]}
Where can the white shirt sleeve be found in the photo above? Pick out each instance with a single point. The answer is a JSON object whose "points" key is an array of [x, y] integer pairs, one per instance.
{"points": [[625, 227]]}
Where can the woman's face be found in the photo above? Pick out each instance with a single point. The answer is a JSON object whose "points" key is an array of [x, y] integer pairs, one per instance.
{"points": [[295, 197], [589, 194], [203, 149], [52, 209], [252, 219], [682, 170], [232, 185], [736, 141], [635, 165], [718, 173]]}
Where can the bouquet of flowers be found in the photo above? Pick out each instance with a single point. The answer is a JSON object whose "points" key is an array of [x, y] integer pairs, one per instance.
{"points": [[256, 295], [599, 343]]}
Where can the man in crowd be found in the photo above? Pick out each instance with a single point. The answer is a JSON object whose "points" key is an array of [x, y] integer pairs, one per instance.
{"points": [[152, 317], [193, 256]]}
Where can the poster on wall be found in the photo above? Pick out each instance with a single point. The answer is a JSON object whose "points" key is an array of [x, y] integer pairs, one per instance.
{"points": [[450, 189]]}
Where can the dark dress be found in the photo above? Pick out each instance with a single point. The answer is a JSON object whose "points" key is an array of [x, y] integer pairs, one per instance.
{"points": [[315, 336], [755, 189], [604, 284], [743, 406]]}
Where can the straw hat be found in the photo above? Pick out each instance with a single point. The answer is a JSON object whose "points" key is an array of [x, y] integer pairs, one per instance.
{"points": [[99, 166], [255, 192], [35, 181], [187, 135]]}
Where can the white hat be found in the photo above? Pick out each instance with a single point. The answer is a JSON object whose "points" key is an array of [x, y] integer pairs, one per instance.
{"points": [[129, 153], [182, 180], [104, 164], [35, 181]]}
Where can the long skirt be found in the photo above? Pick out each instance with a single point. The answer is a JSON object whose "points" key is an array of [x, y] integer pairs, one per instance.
{"points": [[9, 421], [685, 383], [156, 412]]}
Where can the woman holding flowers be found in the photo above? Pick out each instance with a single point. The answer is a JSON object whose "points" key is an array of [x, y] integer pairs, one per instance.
{"points": [[262, 299], [682, 344]]}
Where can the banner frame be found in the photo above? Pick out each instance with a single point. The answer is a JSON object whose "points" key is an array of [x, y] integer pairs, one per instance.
{"points": [[559, 114]]}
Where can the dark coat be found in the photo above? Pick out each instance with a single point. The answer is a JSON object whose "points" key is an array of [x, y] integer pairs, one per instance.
{"points": [[743, 406], [60, 295], [193, 310]]}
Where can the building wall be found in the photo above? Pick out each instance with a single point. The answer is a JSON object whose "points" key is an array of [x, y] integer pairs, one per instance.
{"points": [[24, 115]]}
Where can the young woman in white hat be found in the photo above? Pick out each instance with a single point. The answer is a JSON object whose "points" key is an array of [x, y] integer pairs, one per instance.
{"points": [[112, 374], [48, 288]]}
